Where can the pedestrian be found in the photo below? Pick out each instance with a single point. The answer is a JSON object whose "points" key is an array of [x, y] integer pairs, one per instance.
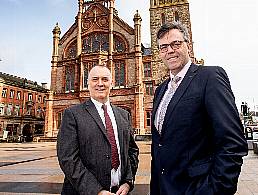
{"points": [[197, 136], [95, 146]]}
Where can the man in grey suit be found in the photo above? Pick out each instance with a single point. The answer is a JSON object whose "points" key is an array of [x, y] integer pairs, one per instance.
{"points": [[95, 146]]}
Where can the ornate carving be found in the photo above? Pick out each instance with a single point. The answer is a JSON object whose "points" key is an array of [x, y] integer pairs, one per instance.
{"points": [[86, 24], [103, 22]]}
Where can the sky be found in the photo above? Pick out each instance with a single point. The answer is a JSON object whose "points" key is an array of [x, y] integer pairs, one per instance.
{"points": [[224, 34]]}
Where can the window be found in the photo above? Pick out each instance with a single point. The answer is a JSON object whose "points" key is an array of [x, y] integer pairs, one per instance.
{"points": [[99, 41], [39, 99], [39, 112], [148, 118], [87, 67], [59, 119], [2, 109], [4, 93], [69, 81], [18, 96], [176, 16], [44, 99], [163, 18], [16, 111], [149, 88], [11, 93], [147, 69], [9, 109], [119, 73], [29, 97]]}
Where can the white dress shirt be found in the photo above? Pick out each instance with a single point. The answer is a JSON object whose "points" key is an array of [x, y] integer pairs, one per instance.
{"points": [[115, 174], [180, 74]]}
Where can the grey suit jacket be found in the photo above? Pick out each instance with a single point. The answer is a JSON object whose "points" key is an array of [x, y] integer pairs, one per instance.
{"points": [[84, 152]]}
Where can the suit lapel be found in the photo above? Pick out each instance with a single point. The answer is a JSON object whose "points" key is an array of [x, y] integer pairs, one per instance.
{"points": [[90, 107], [159, 97], [180, 91], [119, 125]]}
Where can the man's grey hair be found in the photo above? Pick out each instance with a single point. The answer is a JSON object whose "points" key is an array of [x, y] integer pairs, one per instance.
{"points": [[174, 25]]}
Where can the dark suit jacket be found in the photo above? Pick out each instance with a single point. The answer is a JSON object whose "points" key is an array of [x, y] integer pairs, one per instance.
{"points": [[201, 146], [84, 152]]}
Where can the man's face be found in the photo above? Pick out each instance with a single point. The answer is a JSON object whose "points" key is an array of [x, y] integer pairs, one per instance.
{"points": [[100, 83], [175, 59]]}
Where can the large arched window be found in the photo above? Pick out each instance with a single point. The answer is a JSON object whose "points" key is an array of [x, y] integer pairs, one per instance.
{"points": [[98, 41], [119, 73], [69, 78], [72, 50]]}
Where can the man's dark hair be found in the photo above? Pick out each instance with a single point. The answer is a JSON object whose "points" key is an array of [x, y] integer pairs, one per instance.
{"points": [[174, 25]]}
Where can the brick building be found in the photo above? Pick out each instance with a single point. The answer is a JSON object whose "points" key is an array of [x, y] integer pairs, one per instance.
{"points": [[22, 106], [98, 35]]}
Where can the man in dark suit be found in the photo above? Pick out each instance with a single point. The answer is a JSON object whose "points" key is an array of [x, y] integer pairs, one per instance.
{"points": [[197, 136], [95, 146]]}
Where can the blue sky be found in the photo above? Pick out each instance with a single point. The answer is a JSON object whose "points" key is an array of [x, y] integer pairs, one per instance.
{"points": [[224, 34]]}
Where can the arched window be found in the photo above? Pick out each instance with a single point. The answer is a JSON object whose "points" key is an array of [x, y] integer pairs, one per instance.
{"points": [[72, 50], [98, 41], [69, 78], [163, 18], [119, 73], [176, 16], [118, 45]]}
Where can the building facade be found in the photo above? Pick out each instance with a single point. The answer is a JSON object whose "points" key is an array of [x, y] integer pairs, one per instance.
{"points": [[22, 107], [99, 36]]}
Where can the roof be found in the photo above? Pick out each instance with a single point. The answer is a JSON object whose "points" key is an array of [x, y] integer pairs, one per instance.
{"points": [[21, 82]]}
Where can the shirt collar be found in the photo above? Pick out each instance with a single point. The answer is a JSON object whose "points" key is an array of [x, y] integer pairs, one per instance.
{"points": [[99, 104], [182, 72]]}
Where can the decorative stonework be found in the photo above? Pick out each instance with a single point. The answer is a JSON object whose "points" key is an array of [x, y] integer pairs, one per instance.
{"points": [[125, 57]]}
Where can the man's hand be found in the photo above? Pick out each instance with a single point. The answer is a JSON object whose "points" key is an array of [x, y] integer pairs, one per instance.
{"points": [[123, 189], [104, 192]]}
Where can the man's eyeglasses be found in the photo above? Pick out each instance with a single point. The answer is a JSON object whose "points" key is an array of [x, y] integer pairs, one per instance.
{"points": [[174, 45]]}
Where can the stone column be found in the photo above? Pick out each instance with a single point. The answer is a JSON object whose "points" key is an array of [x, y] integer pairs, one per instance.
{"points": [[139, 105]]}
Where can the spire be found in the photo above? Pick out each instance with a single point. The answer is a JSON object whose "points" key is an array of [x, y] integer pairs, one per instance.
{"points": [[56, 30]]}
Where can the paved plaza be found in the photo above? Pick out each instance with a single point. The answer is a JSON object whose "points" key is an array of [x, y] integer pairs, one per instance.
{"points": [[32, 168]]}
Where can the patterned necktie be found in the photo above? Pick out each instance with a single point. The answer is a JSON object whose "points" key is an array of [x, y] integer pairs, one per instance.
{"points": [[111, 136], [165, 101]]}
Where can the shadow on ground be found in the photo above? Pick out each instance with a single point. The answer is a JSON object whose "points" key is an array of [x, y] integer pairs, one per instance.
{"points": [[53, 188]]}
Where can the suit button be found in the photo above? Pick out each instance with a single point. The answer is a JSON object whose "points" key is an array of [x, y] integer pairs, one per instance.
{"points": [[108, 157], [160, 145], [162, 171]]}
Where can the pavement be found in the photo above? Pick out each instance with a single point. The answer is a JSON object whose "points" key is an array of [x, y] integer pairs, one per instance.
{"points": [[32, 168]]}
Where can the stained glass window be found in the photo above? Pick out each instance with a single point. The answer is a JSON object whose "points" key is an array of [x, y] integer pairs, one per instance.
{"points": [[104, 42], [119, 45], [69, 81], [72, 51], [86, 46], [96, 42], [87, 67], [120, 73]]}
